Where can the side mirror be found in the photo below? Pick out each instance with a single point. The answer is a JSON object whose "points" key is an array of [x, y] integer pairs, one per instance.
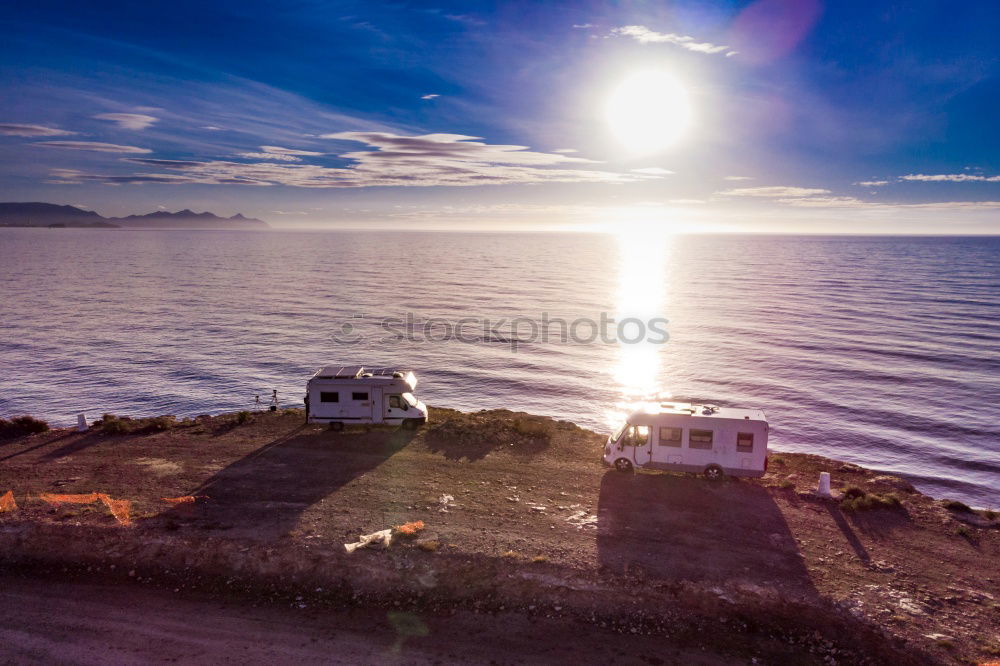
{"points": [[406, 406]]}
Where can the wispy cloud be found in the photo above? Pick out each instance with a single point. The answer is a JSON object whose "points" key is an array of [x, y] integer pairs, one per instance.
{"points": [[131, 121], [872, 183], [16, 129], [94, 146], [392, 160], [738, 178], [644, 35], [653, 171], [280, 154], [774, 192], [582, 26], [565, 150], [430, 96], [951, 178], [812, 197]]}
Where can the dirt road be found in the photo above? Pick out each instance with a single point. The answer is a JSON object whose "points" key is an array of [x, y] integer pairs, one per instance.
{"points": [[69, 622]]}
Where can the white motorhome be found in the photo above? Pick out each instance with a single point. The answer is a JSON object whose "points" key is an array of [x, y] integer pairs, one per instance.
{"points": [[354, 394], [682, 437]]}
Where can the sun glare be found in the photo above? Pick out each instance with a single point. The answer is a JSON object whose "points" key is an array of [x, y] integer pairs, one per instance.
{"points": [[649, 111]]}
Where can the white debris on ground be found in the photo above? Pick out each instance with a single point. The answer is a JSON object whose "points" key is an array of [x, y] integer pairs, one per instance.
{"points": [[381, 538], [582, 519], [445, 502]]}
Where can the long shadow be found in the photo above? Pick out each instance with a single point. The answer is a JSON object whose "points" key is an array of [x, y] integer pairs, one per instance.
{"points": [[264, 494], [677, 528], [47, 442], [852, 539], [79, 444]]}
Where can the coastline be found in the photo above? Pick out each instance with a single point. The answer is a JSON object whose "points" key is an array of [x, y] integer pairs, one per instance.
{"points": [[534, 523]]}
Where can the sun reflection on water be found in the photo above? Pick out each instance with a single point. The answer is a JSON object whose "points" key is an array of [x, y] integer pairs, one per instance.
{"points": [[642, 295]]}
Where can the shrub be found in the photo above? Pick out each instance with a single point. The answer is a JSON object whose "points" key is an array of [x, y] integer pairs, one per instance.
{"points": [[534, 428], [539, 559], [242, 417], [109, 424], [853, 492], [868, 502], [19, 426], [786, 484], [990, 514], [964, 532], [955, 505], [429, 546], [511, 555], [113, 425]]}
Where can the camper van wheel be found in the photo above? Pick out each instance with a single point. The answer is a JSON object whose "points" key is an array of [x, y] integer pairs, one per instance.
{"points": [[336, 426], [410, 424], [623, 465], [713, 473]]}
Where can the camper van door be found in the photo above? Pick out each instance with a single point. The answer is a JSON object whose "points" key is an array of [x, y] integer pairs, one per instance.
{"points": [[377, 409]]}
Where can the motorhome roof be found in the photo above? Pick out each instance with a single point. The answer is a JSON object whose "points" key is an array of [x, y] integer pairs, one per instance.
{"points": [[375, 376], [355, 371], [692, 409]]}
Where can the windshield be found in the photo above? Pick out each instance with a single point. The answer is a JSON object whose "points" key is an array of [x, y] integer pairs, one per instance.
{"points": [[408, 397], [618, 433]]}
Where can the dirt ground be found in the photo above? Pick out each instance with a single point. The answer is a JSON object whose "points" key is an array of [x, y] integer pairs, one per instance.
{"points": [[535, 525], [73, 622]]}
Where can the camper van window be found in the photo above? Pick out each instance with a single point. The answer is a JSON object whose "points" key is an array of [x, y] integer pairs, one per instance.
{"points": [[670, 436], [394, 401], [618, 433], [744, 442], [700, 439], [359, 395], [331, 396], [638, 436]]}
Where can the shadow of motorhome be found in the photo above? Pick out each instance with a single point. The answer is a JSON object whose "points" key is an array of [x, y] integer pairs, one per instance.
{"points": [[264, 494], [684, 528]]}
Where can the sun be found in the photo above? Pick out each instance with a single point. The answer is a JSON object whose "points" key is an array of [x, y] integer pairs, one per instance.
{"points": [[649, 111]]}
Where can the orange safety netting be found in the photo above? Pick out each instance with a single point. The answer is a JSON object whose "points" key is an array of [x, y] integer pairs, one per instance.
{"points": [[7, 502], [410, 529], [53, 498], [120, 509], [186, 499]]}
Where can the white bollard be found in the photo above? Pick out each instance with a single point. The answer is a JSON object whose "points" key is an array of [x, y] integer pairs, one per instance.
{"points": [[824, 484], [81, 422]]}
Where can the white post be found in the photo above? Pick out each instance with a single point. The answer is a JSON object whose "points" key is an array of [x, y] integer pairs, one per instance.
{"points": [[81, 422], [824, 484]]}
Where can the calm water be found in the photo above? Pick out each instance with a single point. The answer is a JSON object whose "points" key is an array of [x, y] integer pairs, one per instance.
{"points": [[879, 351]]}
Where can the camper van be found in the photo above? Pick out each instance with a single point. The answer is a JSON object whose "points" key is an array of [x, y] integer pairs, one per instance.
{"points": [[681, 437], [355, 394]]}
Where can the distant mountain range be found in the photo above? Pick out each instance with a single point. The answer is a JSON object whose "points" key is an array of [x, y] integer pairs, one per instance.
{"points": [[37, 214]]}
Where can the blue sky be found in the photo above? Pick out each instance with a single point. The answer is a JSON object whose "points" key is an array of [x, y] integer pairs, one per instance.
{"points": [[802, 115]]}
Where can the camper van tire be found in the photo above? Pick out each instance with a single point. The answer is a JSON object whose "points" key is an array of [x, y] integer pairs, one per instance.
{"points": [[623, 465], [336, 426], [714, 473], [412, 424]]}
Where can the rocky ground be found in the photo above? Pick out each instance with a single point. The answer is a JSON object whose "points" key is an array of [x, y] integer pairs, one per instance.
{"points": [[519, 518]]}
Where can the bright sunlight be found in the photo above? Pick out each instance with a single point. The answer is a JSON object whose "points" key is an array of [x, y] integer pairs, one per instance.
{"points": [[649, 111]]}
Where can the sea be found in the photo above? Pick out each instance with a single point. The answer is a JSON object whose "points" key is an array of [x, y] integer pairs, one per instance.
{"points": [[880, 351]]}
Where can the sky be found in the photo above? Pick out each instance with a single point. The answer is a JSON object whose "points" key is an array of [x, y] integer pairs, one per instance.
{"points": [[768, 116]]}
